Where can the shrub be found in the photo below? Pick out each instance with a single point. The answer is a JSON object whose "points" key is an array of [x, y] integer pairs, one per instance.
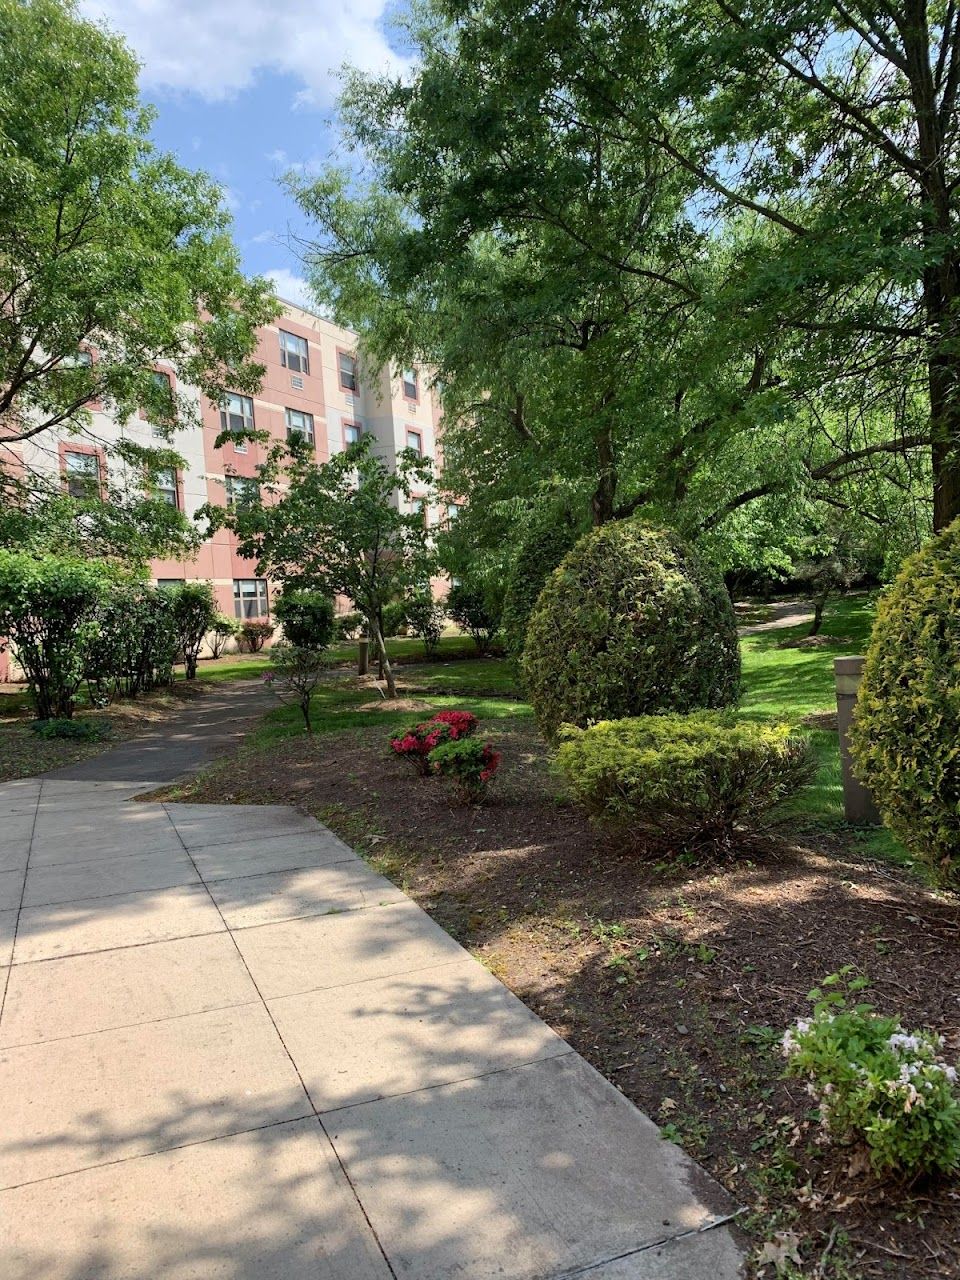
{"points": [[470, 608], [256, 634], [348, 626], [541, 549], [306, 618], [470, 763], [462, 723], [907, 722], [73, 730], [686, 780], [49, 609], [416, 743], [194, 613], [294, 676], [221, 632], [876, 1083], [137, 645], [425, 619], [632, 622], [394, 618]]}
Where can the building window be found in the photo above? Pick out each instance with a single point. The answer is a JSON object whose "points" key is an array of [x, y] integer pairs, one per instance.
{"points": [[236, 414], [83, 474], [82, 360], [453, 510], [167, 488], [419, 508], [241, 491], [161, 380], [299, 424], [250, 598], [415, 441], [347, 366], [170, 583], [351, 434], [294, 354], [411, 387]]}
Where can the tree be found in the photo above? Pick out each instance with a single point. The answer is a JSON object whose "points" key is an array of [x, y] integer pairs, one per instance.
{"points": [[194, 613], [611, 301], [294, 675], [306, 618], [337, 528], [112, 255]]}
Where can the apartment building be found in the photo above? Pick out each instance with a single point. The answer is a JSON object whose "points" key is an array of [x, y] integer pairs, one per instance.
{"points": [[313, 385]]}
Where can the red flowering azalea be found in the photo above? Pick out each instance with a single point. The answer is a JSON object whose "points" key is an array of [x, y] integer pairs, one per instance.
{"points": [[462, 723]]}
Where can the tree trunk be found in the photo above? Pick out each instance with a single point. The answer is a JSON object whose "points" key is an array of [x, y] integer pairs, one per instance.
{"points": [[941, 288], [384, 661], [818, 607], [604, 496]]}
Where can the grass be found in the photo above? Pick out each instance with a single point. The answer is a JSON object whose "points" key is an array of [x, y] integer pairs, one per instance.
{"points": [[338, 707], [402, 650]]}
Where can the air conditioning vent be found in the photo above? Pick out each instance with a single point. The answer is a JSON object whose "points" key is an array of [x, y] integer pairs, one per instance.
{"points": [[296, 382]]}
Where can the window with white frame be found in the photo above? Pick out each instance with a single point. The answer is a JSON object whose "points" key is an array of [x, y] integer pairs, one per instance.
{"points": [[411, 386], [250, 598], [241, 491], [347, 368], [453, 510], [419, 508], [236, 413], [299, 424], [415, 441], [351, 434], [294, 352], [166, 486], [82, 472], [170, 583]]}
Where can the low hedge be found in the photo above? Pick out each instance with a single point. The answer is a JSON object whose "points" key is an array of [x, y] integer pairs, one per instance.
{"points": [[684, 780]]}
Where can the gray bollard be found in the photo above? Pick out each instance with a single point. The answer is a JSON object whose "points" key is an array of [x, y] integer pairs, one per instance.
{"points": [[858, 806], [363, 657]]}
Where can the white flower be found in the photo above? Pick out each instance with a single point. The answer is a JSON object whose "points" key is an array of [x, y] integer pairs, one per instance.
{"points": [[899, 1041]]}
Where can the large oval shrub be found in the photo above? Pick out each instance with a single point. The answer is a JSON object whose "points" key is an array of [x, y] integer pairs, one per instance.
{"points": [[906, 733], [632, 622]]}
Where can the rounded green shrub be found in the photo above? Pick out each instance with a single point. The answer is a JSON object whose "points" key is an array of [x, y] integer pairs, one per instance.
{"points": [[307, 619], [632, 622], [685, 780], [906, 733], [541, 549]]}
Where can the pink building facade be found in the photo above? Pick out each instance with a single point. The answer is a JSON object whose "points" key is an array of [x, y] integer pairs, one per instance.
{"points": [[314, 386]]}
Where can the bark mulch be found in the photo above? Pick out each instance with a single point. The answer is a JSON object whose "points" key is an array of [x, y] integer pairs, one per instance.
{"points": [[674, 980]]}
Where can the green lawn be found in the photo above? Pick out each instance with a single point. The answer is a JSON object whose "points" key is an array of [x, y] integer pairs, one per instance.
{"points": [[403, 650]]}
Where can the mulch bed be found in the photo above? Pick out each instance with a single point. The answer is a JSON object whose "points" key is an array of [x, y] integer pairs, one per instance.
{"points": [[674, 981]]}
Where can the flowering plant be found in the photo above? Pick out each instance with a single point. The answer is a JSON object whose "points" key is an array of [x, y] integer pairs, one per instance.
{"points": [[462, 723], [416, 743], [471, 765], [875, 1082]]}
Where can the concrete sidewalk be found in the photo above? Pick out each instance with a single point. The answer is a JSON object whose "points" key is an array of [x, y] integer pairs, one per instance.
{"points": [[229, 1049]]}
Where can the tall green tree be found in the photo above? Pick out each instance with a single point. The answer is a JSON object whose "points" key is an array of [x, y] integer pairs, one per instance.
{"points": [[339, 528], [112, 255], [622, 289]]}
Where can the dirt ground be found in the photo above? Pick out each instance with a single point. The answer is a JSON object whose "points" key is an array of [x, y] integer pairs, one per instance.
{"points": [[675, 981]]}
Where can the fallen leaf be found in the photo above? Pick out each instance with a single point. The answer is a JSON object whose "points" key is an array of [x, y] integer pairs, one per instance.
{"points": [[783, 1248], [668, 1105]]}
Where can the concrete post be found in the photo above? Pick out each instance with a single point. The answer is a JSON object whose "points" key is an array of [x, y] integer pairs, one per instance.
{"points": [[858, 806], [363, 656]]}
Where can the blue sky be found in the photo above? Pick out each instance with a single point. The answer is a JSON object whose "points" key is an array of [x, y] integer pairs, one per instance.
{"points": [[245, 89]]}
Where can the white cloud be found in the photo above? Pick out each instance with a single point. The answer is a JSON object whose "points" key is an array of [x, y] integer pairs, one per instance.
{"points": [[216, 48], [291, 287]]}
